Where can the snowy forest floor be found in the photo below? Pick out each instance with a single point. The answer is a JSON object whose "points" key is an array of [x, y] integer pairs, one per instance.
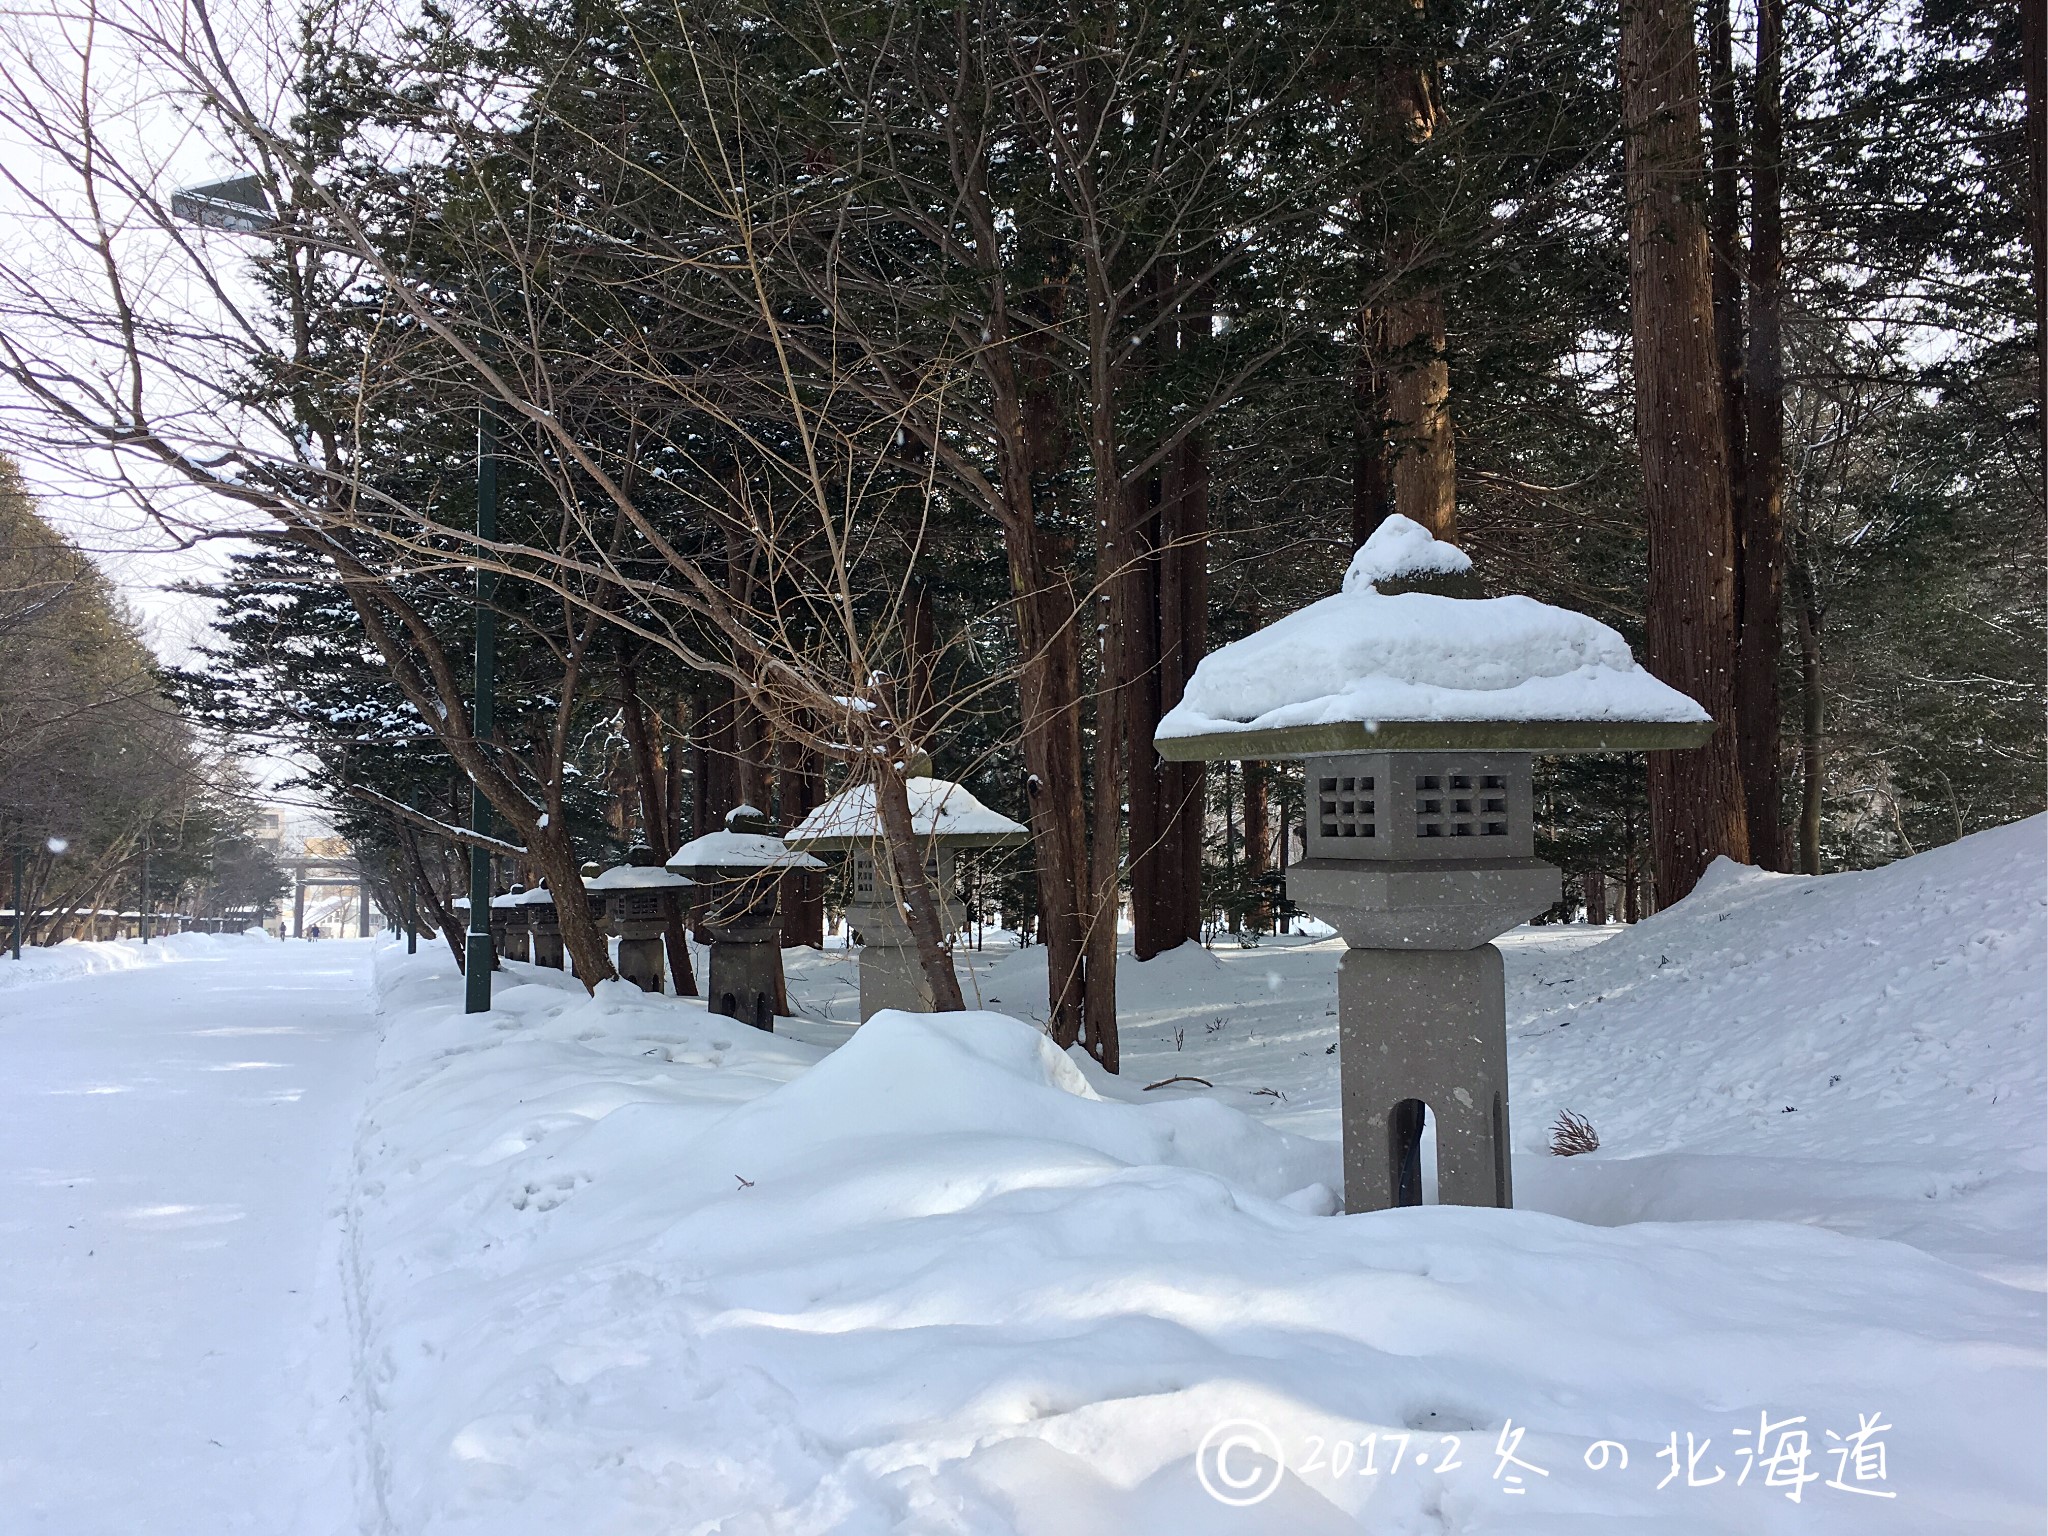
{"points": [[614, 1265]]}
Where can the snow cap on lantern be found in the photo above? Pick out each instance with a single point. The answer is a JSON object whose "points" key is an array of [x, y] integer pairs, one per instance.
{"points": [[1366, 670]]}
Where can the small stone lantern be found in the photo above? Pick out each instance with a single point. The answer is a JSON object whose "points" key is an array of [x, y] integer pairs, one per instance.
{"points": [[640, 900], [742, 868], [518, 935], [947, 819], [1418, 716], [504, 915], [544, 925]]}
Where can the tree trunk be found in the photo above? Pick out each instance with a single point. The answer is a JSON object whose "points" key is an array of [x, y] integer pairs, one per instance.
{"points": [[1153, 860], [917, 899], [801, 789], [1184, 639], [1806, 617], [1761, 507], [1724, 235], [1594, 889], [1696, 797], [1369, 505], [2034, 43], [649, 777], [1425, 463], [1256, 834]]}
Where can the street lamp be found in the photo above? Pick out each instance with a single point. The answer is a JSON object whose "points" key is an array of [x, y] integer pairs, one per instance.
{"points": [[239, 206]]}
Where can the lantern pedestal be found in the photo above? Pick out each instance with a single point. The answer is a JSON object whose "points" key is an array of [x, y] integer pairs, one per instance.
{"points": [[1423, 1027], [1420, 859], [891, 975], [745, 970]]}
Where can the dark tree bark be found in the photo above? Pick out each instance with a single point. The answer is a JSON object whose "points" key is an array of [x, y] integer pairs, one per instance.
{"points": [[2034, 41], [1760, 507], [1812, 765], [1153, 862], [1369, 504], [654, 782], [1593, 887], [1697, 807], [1724, 233], [1422, 463], [1258, 833], [1183, 641], [801, 788]]}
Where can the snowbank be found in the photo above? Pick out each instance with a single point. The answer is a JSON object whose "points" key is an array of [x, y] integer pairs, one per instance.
{"points": [[622, 1266], [1862, 1051], [95, 957]]}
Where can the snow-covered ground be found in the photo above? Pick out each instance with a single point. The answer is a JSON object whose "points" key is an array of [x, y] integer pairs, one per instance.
{"points": [[94, 957], [626, 1267], [614, 1265], [174, 1353]]}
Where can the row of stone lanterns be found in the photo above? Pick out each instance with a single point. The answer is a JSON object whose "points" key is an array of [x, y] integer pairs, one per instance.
{"points": [[734, 876], [1417, 714]]}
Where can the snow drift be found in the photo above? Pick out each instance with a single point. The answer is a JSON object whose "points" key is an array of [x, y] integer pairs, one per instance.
{"points": [[622, 1266]]}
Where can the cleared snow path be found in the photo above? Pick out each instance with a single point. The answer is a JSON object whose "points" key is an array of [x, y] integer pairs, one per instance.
{"points": [[173, 1350]]}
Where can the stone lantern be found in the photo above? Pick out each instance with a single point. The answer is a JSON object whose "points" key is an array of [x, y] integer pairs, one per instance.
{"points": [[641, 899], [1418, 716], [742, 868], [543, 926], [504, 918], [946, 819], [517, 934]]}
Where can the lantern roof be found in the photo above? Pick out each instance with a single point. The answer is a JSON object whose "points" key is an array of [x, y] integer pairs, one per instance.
{"points": [[941, 812], [1366, 670], [539, 896], [740, 851], [637, 877]]}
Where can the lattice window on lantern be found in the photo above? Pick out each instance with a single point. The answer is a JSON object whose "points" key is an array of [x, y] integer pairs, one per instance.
{"points": [[1345, 806], [863, 877], [1460, 805]]}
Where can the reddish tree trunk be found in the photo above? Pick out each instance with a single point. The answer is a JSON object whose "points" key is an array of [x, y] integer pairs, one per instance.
{"points": [[1369, 505], [1696, 797], [1187, 572], [1424, 461]]}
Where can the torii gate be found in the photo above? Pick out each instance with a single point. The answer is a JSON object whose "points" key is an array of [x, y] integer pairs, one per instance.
{"points": [[335, 871]]}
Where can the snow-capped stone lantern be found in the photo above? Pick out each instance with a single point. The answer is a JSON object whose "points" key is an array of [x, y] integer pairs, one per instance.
{"points": [[742, 868], [947, 819], [504, 917], [517, 934], [640, 900], [1419, 716], [543, 926]]}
